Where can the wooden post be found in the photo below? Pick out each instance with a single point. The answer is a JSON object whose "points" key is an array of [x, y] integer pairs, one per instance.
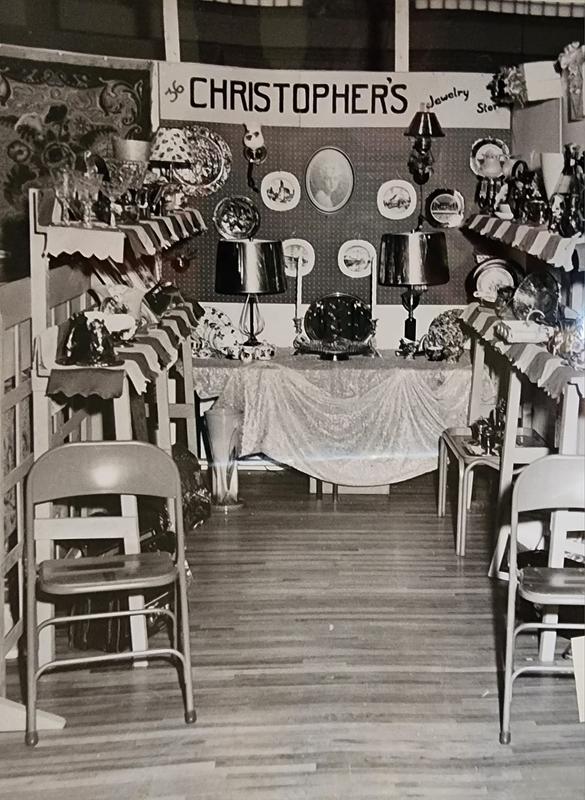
{"points": [[401, 36], [171, 30]]}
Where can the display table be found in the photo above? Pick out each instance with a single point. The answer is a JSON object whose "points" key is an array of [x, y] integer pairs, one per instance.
{"points": [[362, 422]]}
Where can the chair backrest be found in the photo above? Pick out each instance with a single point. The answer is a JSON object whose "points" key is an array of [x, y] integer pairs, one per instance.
{"points": [[98, 468], [552, 482]]}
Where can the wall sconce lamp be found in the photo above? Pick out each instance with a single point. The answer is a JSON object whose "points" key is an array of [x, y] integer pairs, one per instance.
{"points": [[414, 261], [250, 267], [424, 127]]}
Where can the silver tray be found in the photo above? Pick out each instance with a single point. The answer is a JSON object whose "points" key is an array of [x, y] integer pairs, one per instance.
{"points": [[339, 317]]}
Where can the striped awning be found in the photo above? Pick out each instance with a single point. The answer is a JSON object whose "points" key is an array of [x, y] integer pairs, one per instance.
{"points": [[539, 8]]}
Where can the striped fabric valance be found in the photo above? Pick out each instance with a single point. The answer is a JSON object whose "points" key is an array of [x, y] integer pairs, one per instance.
{"points": [[546, 8]]}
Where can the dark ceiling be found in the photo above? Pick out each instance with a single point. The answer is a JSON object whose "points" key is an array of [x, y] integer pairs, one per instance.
{"points": [[323, 34]]}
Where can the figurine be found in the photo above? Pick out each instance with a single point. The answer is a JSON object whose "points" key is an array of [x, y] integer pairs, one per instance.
{"points": [[254, 149]]}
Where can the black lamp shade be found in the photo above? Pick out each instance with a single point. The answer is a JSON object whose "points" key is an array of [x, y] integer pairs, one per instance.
{"points": [[249, 266], [425, 124], [413, 259]]}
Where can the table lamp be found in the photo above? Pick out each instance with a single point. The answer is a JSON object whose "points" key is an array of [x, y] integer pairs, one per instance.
{"points": [[170, 150], [250, 267], [413, 260], [423, 128]]}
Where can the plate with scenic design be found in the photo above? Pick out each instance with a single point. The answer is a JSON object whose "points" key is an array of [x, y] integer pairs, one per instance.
{"points": [[396, 199], [445, 208], [356, 258]]}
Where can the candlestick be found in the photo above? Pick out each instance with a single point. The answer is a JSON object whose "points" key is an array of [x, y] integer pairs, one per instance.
{"points": [[299, 290], [374, 289]]}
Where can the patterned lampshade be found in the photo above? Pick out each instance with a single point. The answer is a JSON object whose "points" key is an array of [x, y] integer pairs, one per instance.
{"points": [[171, 146]]}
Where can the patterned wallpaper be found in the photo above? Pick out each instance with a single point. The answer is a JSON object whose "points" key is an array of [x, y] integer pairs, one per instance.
{"points": [[50, 113], [377, 155]]}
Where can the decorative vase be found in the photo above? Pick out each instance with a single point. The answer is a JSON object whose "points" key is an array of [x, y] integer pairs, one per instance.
{"points": [[223, 429], [131, 149], [552, 169]]}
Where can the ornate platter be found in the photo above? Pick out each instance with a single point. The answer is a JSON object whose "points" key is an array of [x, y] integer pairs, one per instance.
{"points": [[445, 208], [537, 297], [212, 162], [396, 199], [299, 254], [356, 258], [489, 157], [338, 317], [236, 218], [280, 191]]}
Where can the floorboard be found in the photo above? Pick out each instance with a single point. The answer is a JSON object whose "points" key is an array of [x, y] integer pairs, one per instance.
{"points": [[340, 652]]}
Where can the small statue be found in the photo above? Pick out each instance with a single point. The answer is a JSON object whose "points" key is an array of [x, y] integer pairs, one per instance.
{"points": [[254, 149]]}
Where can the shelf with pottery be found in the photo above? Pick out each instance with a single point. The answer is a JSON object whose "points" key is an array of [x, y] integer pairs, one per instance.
{"points": [[534, 240]]}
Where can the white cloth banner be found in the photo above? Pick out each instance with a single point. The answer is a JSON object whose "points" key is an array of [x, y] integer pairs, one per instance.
{"points": [[323, 99]]}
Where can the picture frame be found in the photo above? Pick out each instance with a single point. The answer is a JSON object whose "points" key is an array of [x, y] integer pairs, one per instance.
{"points": [[329, 179], [280, 191]]}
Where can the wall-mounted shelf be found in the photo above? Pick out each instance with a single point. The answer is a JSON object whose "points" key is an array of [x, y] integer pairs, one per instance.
{"points": [[532, 239], [146, 237]]}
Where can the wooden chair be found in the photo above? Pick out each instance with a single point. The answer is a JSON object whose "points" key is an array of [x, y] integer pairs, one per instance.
{"points": [[105, 468], [554, 483]]}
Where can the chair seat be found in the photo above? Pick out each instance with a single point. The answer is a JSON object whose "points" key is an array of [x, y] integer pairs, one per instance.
{"points": [[106, 574], [553, 586], [457, 440]]}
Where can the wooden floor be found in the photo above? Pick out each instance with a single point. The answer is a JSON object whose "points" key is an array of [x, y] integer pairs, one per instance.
{"points": [[339, 653]]}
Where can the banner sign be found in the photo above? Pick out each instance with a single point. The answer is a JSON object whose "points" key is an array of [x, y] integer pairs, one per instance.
{"points": [[323, 99]]}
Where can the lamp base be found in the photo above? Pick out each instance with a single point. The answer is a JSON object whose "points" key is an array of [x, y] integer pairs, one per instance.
{"points": [[410, 329]]}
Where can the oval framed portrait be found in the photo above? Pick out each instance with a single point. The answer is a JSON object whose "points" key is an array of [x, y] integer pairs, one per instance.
{"points": [[329, 179]]}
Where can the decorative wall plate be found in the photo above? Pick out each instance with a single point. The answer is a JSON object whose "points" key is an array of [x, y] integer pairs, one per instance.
{"points": [[236, 218], [280, 191], [356, 258], [489, 157], [298, 254], [493, 274], [329, 179], [396, 199], [445, 208], [212, 163], [338, 316]]}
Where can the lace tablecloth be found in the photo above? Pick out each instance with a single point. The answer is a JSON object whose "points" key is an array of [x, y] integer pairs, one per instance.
{"points": [[362, 422]]}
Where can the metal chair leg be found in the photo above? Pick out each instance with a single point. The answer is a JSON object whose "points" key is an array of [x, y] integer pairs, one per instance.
{"points": [[505, 735], [190, 715]]}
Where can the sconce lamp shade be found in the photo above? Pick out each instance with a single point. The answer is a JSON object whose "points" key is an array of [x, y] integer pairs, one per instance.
{"points": [[425, 124], [171, 146], [413, 259], [249, 266]]}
